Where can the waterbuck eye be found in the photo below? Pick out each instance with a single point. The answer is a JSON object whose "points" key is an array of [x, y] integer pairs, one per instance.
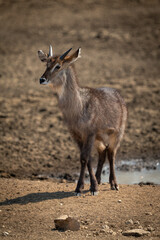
{"points": [[57, 67]]}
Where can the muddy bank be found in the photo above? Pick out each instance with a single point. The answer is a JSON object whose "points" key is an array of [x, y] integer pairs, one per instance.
{"points": [[120, 49]]}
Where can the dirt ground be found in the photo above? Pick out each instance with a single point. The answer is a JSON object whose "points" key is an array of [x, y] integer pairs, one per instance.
{"points": [[120, 43], [28, 210]]}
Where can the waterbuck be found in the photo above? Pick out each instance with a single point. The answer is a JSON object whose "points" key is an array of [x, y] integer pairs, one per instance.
{"points": [[95, 116]]}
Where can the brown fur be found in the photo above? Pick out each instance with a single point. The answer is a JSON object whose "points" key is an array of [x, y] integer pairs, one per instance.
{"points": [[94, 117]]}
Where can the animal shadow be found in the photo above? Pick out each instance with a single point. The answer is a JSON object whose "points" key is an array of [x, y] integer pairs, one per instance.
{"points": [[37, 197]]}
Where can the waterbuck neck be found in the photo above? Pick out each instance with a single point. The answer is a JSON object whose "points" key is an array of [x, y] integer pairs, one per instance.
{"points": [[70, 101]]}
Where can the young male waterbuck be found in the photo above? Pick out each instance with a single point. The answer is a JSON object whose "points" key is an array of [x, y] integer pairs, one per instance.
{"points": [[95, 116]]}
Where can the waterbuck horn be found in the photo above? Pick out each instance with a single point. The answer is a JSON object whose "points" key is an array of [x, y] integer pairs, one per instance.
{"points": [[65, 54], [50, 51]]}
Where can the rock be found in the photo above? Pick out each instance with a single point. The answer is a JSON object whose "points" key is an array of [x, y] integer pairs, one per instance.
{"points": [[130, 221], [140, 227], [136, 232], [66, 222], [5, 234], [106, 227], [150, 229], [96, 233], [119, 201], [148, 213], [137, 223]]}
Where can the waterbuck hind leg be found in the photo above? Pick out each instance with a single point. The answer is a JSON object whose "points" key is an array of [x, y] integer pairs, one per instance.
{"points": [[112, 176], [101, 160]]}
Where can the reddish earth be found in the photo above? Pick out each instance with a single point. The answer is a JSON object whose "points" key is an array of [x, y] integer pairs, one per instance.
{"points": [[28, 210], [121, 49]]}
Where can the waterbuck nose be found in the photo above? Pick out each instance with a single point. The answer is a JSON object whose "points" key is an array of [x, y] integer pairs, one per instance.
{"points": [[42, 80]]}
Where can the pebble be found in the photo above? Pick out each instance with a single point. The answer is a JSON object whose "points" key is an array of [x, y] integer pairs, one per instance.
{"points": [[95, 233], [140, 227], [5, 233], [130, 221], [137, 222], [119, 200], [150, 229], [105, 227], [84, 227], [148, 213]]}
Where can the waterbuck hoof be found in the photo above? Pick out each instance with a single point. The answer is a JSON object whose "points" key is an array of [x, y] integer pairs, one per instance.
{"points": [[115, 187], [99, 182], [78, 194], [94, 193]]}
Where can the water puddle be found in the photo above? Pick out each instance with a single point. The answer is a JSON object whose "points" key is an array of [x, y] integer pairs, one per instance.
{"points": [[134, 171]]}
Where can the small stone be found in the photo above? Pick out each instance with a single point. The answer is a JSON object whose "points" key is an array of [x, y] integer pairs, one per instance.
{"points": [[102, 231], [119, 200], [137, 223], [109, 231], [130, 221], [5, 233], [105, 227], [150, 229], [148, 213], [140, 227], [136, 232], [96, 233], [106, 222], [63, 180], [67, 223]]}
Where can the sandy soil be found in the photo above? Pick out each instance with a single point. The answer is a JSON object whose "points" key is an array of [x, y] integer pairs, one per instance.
{"points": [[28, 210]]}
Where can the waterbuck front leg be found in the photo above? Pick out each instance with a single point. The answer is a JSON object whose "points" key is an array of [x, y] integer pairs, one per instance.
{"points": [[85, 159], [93, 180]]}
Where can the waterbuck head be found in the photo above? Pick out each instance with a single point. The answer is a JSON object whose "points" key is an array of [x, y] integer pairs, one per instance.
{"points": [[56, 66]]}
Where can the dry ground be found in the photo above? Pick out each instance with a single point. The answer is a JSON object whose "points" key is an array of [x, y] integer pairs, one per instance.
{"points": [[120, 48], [28, 210]]}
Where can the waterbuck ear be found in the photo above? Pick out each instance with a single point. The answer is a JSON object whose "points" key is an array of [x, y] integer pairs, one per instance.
{"points": [[42, 56], [74, 56]]}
